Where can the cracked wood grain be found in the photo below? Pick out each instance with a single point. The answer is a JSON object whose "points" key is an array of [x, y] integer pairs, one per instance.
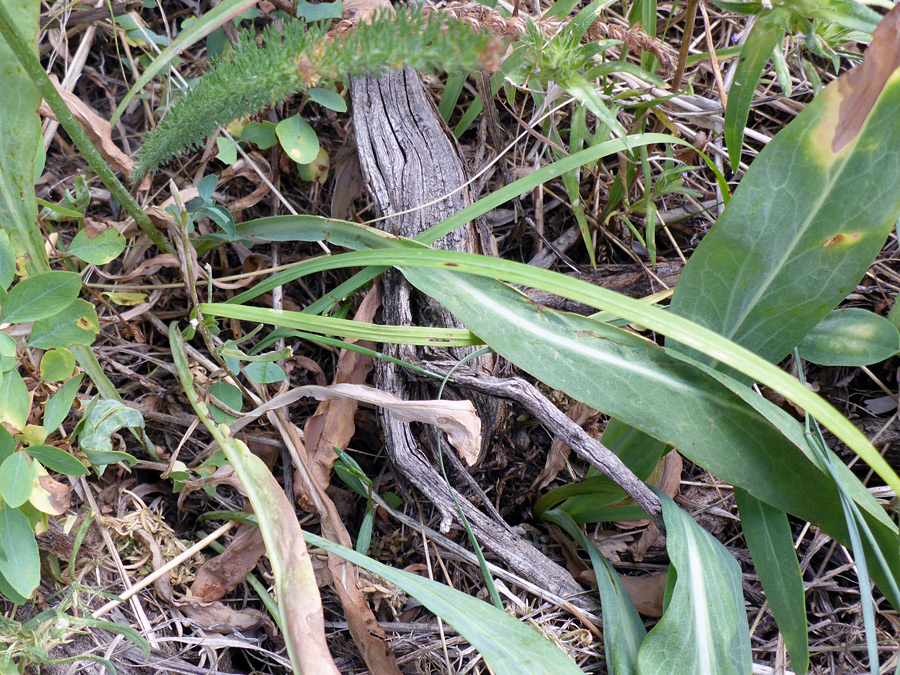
{"points": [[413, 170]]}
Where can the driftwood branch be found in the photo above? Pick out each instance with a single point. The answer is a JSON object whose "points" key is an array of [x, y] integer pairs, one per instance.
{"points": [[600, 457]]}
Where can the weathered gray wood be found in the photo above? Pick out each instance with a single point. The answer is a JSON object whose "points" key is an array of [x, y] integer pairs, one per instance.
{"points": [[413, 167]]}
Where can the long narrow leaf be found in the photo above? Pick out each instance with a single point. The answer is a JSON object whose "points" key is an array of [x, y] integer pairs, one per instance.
{"points": [[623, 630], [704, 628], [508, 646], [768, 537], [809, 216]]}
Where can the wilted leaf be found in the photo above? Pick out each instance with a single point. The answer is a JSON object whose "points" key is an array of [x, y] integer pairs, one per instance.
{"points": [[77, 324]]}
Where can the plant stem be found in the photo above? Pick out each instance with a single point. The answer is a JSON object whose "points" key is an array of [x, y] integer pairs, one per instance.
{"points": [[685, 42], [32, 65]]}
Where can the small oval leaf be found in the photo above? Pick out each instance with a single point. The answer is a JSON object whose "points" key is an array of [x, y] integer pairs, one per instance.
{"points": [[57, 460], [851, 337], [101, 249], [328, 99], [57, 365], [298, 139], [264, 372], [16, 476]]}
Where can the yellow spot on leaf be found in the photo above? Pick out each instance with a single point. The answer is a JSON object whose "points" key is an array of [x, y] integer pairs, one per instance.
{"points": [[842, 239]]}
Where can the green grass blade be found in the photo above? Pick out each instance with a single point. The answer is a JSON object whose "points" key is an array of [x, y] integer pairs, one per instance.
{"points": [[754, 56], [508, 646], [623, 630], [206, 24], [412, 335], [768, 537]]}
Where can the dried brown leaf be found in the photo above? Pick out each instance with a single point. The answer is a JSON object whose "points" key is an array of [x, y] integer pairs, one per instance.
{"points": [[859, 88], [222, 574], [97, 128], [647, 593]]}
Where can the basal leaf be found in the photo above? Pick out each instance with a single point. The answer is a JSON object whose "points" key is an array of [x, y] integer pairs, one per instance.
{"points": [[704, 628], [623, 630], [809, 216], [771, 545], [851, 337], [507, 645]]}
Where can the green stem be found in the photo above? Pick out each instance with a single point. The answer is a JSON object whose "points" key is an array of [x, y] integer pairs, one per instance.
{"points": [[31, 64]]}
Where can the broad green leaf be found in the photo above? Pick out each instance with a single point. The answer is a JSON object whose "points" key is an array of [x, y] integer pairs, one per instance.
{"points": [[298, 139], [7, 261], [704, 628], [20, 136], [224, 11], [57, 460], [40, 296], [264, 372], [77, 324], [103, 248], [328, 98], [16, 476], [57, 365], [15, 403], [567, 352], [7, 444], [21, 564], [809, 216], [763, 38], [59, 405], [771, 545], [508, 646], [623, 630], [851, 337]]}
